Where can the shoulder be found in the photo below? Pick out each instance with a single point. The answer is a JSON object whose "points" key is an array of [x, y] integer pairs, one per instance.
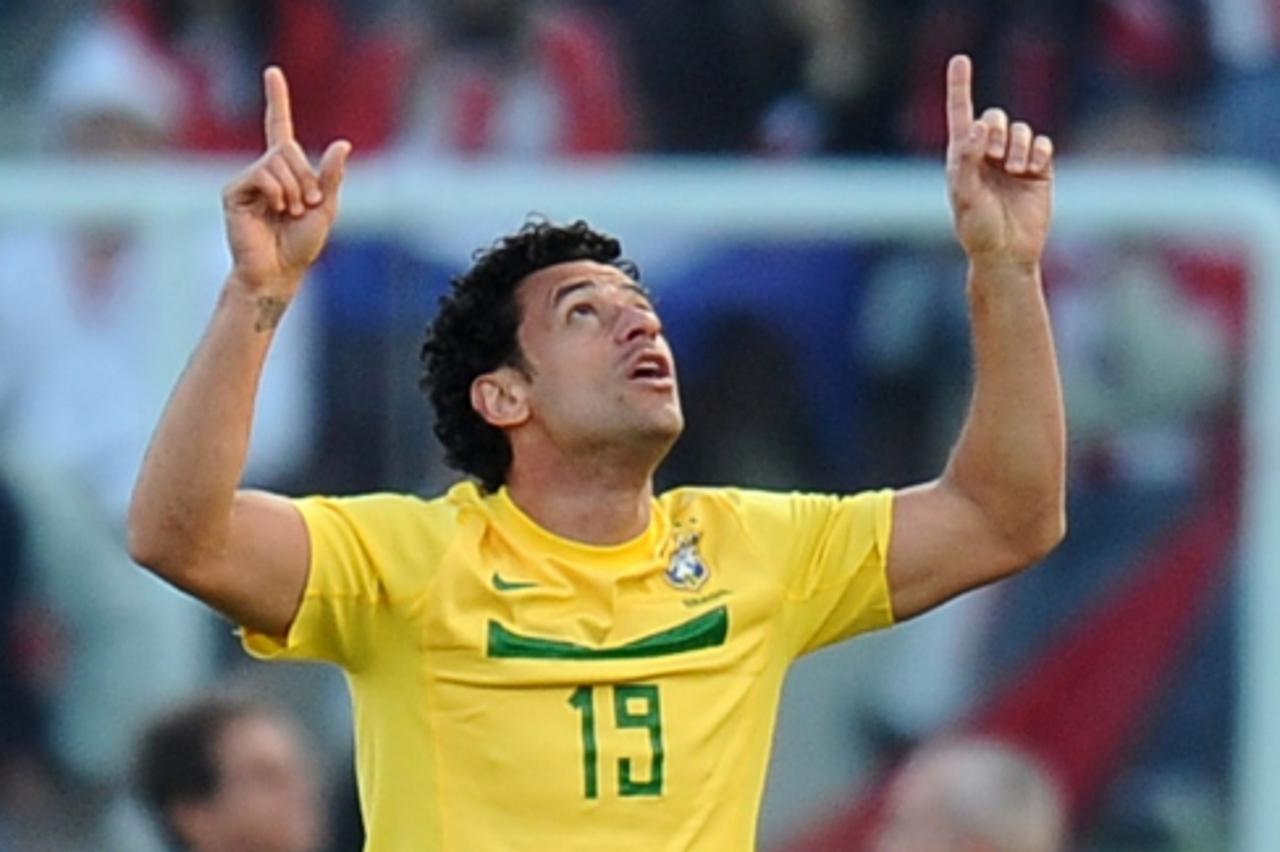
{"points": [[742, 508], [736, 500], [385, 540], [766, 511], [690, 499], [375, 506], [385, 518]]}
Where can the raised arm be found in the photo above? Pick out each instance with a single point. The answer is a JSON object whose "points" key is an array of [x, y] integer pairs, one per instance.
{"points": [[243, 553], [999, 505]]}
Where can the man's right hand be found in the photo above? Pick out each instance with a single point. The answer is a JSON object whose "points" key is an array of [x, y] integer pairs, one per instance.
{"points": [[279, 210]]}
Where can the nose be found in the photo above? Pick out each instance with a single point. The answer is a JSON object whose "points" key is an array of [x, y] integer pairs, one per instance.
{"points": [[636, 322]]}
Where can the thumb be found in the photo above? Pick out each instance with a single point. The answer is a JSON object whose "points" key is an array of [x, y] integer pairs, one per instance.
{"points": [[333, 165]]}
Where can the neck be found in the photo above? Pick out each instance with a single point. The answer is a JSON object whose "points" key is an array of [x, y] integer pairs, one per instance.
{"points": [[597, 501]]}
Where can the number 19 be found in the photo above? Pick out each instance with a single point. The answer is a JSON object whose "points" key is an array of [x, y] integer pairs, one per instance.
{"points": [[650, 718]]}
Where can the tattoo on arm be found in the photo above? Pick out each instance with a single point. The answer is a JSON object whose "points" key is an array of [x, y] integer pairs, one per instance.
{"points": [[270, 310]]}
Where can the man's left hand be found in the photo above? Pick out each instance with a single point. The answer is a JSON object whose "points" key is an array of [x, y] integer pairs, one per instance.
{"points": [[1000, 177]]}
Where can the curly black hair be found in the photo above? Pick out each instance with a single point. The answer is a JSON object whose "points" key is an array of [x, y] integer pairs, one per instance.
{"points": [[475, 333]]}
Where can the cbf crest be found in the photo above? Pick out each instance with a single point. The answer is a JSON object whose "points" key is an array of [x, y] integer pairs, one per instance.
{"points": [[687, 571]]}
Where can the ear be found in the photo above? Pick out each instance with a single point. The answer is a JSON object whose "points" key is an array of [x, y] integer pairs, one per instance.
{"points": [[501, 397]]}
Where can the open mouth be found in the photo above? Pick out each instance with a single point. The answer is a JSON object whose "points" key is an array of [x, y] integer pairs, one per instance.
{"points": [[650, 366]]}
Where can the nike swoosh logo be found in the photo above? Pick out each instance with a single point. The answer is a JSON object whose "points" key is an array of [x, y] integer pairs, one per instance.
{"points": [[510, 585]]}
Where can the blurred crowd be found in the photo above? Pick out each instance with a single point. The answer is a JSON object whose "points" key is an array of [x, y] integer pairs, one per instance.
{"points": [[1150, 334], [575, 78]]}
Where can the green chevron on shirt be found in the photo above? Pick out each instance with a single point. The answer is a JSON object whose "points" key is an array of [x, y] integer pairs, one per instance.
{"points": [[705, 631]]}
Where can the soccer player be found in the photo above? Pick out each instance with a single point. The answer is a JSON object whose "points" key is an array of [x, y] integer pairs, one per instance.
{"points": [[551, 656], [225, 774]]}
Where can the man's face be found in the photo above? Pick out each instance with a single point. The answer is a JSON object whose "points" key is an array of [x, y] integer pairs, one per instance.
{"points": [[601, 372], [266, 800], [917, 819]]}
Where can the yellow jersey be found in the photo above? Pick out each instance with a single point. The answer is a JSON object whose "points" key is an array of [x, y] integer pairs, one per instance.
{"points": [[515, 690]]}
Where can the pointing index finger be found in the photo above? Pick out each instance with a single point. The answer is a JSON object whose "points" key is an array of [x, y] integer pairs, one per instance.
{"points": [[959, 96], [279, 117]]}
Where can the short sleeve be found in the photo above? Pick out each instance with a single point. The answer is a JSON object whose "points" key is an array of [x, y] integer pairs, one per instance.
{"points": [[346, 598], [831, 553]]}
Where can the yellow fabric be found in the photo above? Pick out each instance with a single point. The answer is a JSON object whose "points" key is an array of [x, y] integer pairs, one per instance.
{"points": [[487, 657]]}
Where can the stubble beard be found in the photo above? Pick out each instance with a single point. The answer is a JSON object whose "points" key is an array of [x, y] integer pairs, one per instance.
{"points": [[642, 438]]}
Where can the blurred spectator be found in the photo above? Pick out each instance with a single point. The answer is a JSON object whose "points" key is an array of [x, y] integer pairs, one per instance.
{"points": [[225, 774], [81, 382], [842, 76], [524, 79], [698, 80], [1144, 367], [973, 795], [108, 93], [345, 82]]}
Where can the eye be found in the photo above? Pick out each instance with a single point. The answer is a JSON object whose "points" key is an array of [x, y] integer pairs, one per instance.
{"points": [[582, 309]]}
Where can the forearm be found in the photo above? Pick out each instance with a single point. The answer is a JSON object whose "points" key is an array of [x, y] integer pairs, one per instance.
{"points": [[1011, 455], [181, 508]]}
